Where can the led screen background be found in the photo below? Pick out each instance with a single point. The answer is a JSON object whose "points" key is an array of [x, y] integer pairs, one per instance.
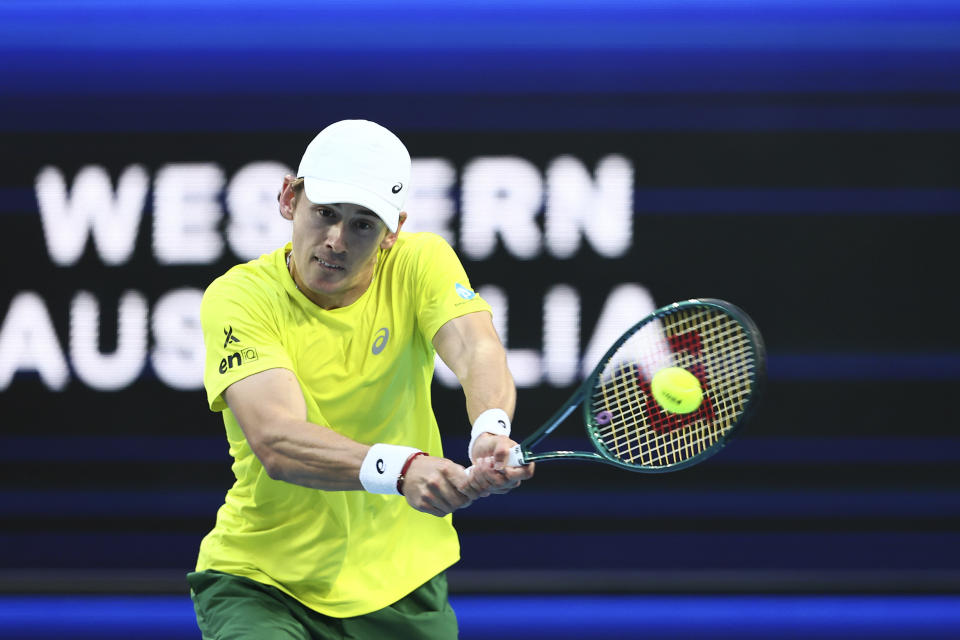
{"points": [[800, 162]]}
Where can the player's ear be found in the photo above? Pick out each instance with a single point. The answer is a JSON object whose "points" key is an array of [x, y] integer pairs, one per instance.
{"points": [[391, 237], [287, 197]]}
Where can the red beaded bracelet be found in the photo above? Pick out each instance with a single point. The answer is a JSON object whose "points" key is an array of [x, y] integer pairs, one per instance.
{"points": [[406, 465]]}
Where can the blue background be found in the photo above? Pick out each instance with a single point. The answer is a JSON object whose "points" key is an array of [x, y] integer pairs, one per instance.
{"points": [[821, 136]]}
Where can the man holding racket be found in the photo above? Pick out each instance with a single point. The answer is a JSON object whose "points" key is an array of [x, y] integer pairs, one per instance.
{"points": [[320, 357]]}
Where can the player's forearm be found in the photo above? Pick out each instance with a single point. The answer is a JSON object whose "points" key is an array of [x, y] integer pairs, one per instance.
{"points": [[487, 382], [310, 455]]}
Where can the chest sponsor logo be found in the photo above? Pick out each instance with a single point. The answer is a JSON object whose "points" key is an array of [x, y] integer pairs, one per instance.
{"points": [[464, 292], [380, 341], [237, 358], [230, 337]]}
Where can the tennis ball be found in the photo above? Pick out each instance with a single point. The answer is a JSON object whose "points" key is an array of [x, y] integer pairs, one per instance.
{"points": [[676, 390]]}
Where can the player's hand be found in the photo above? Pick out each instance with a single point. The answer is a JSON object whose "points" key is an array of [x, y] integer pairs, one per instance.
{"points": [[491, 473], [437, 486]]}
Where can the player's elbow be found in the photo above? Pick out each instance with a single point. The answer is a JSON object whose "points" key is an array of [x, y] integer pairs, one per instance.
{"points": [[273, 466], [269, 457]]}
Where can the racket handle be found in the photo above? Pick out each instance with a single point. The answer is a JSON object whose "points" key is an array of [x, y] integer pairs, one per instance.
{"points": [[515, 459]]}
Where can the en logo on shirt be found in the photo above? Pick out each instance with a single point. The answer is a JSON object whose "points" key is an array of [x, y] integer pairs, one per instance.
{"points": [[237, 358], [464, 292]]}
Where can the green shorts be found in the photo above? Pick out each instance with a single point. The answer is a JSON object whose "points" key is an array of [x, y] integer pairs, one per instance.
{"points": [[233, 608]]}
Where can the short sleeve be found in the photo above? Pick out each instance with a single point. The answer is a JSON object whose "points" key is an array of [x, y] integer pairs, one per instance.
{"points": [[443, 289], [241, 334]]}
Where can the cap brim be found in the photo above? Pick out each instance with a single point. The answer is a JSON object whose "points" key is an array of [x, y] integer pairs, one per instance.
{"points": [[325, 192]]}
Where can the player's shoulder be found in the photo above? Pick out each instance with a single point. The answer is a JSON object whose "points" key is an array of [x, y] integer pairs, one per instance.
{"points": [[414, 253], [419, 247], [416, 241], [258, 279]]}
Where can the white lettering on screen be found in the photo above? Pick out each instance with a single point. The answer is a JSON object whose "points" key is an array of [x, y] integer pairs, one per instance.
{"points": [[501, 199], [506, 203], [186, 214], [108, 371], [430, 204], [578, 206], [256, 226], [178, 356], [28, 342], [67, 216]]}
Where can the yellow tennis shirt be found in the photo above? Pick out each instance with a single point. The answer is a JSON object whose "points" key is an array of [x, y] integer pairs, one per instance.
{"points": [[365, 371]]}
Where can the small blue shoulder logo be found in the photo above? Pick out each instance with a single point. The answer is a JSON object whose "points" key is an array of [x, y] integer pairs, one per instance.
{"points": [[464, 292], [380, 341]]}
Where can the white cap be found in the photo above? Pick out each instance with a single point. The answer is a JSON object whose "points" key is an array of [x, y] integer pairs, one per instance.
{"points": [[359, 162]]}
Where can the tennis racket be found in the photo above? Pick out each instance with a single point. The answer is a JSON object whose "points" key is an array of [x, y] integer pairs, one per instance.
{"points": [[713, 340]]}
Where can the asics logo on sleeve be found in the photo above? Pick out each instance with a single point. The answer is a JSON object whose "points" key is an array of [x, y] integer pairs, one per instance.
{"points": [[396, 188], [230, 337]]}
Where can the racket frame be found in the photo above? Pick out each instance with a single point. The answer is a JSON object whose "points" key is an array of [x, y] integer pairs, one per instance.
{"points": [[522, 454]]}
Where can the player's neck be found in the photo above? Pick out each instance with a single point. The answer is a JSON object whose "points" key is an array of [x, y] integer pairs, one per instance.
{"points": [[333, 300]]}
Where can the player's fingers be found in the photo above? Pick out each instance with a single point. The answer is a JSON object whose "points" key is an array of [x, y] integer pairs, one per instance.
{"points": [[432, 510], [446, 506], [424, 504], [436, 505], [482, 476], [473, 483], [435, 488], [501, 455], [511, 477], [524, 472], [448, 491]]}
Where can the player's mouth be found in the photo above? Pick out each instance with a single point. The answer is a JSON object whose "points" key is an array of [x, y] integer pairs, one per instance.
{"points": [[327, 265]]}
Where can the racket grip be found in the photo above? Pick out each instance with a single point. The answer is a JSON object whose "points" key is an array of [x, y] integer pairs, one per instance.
{"points": [[515, 459]]}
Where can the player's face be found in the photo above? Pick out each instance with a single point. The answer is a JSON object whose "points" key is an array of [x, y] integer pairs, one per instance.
{"points": [[335, 250]]}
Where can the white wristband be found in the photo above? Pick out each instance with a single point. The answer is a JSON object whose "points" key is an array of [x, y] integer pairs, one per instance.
{"points": [[382, 466], [495, 421]]}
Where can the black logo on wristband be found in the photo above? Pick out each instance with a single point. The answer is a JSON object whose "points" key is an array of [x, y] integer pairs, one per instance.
{"points": [[380, 465], [503, 424]]}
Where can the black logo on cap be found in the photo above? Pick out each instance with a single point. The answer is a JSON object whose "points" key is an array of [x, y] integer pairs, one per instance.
{"points": [[397, 187], [380, 465]]}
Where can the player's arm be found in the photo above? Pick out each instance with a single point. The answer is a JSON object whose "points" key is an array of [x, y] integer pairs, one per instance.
{"points": [[270, 409], [272, 413], [469, 345]]}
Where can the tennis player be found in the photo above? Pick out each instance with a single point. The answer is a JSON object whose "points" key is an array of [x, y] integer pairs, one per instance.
{"points": [[320, 357]]}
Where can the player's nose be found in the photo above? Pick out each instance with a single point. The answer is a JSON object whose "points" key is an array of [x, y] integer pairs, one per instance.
{"points": [[335, 238]]}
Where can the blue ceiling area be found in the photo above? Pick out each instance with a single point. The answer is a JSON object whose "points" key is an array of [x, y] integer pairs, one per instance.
{"points": [[208, 47], [528, 65]]}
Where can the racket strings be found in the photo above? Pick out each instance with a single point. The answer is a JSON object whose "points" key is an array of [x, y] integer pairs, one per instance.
{"points": [[627, 400], [677, 444], [706, 341]]}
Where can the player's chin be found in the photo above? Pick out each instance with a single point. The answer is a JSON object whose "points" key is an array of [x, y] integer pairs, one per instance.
{"points": [[326, 279]]}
